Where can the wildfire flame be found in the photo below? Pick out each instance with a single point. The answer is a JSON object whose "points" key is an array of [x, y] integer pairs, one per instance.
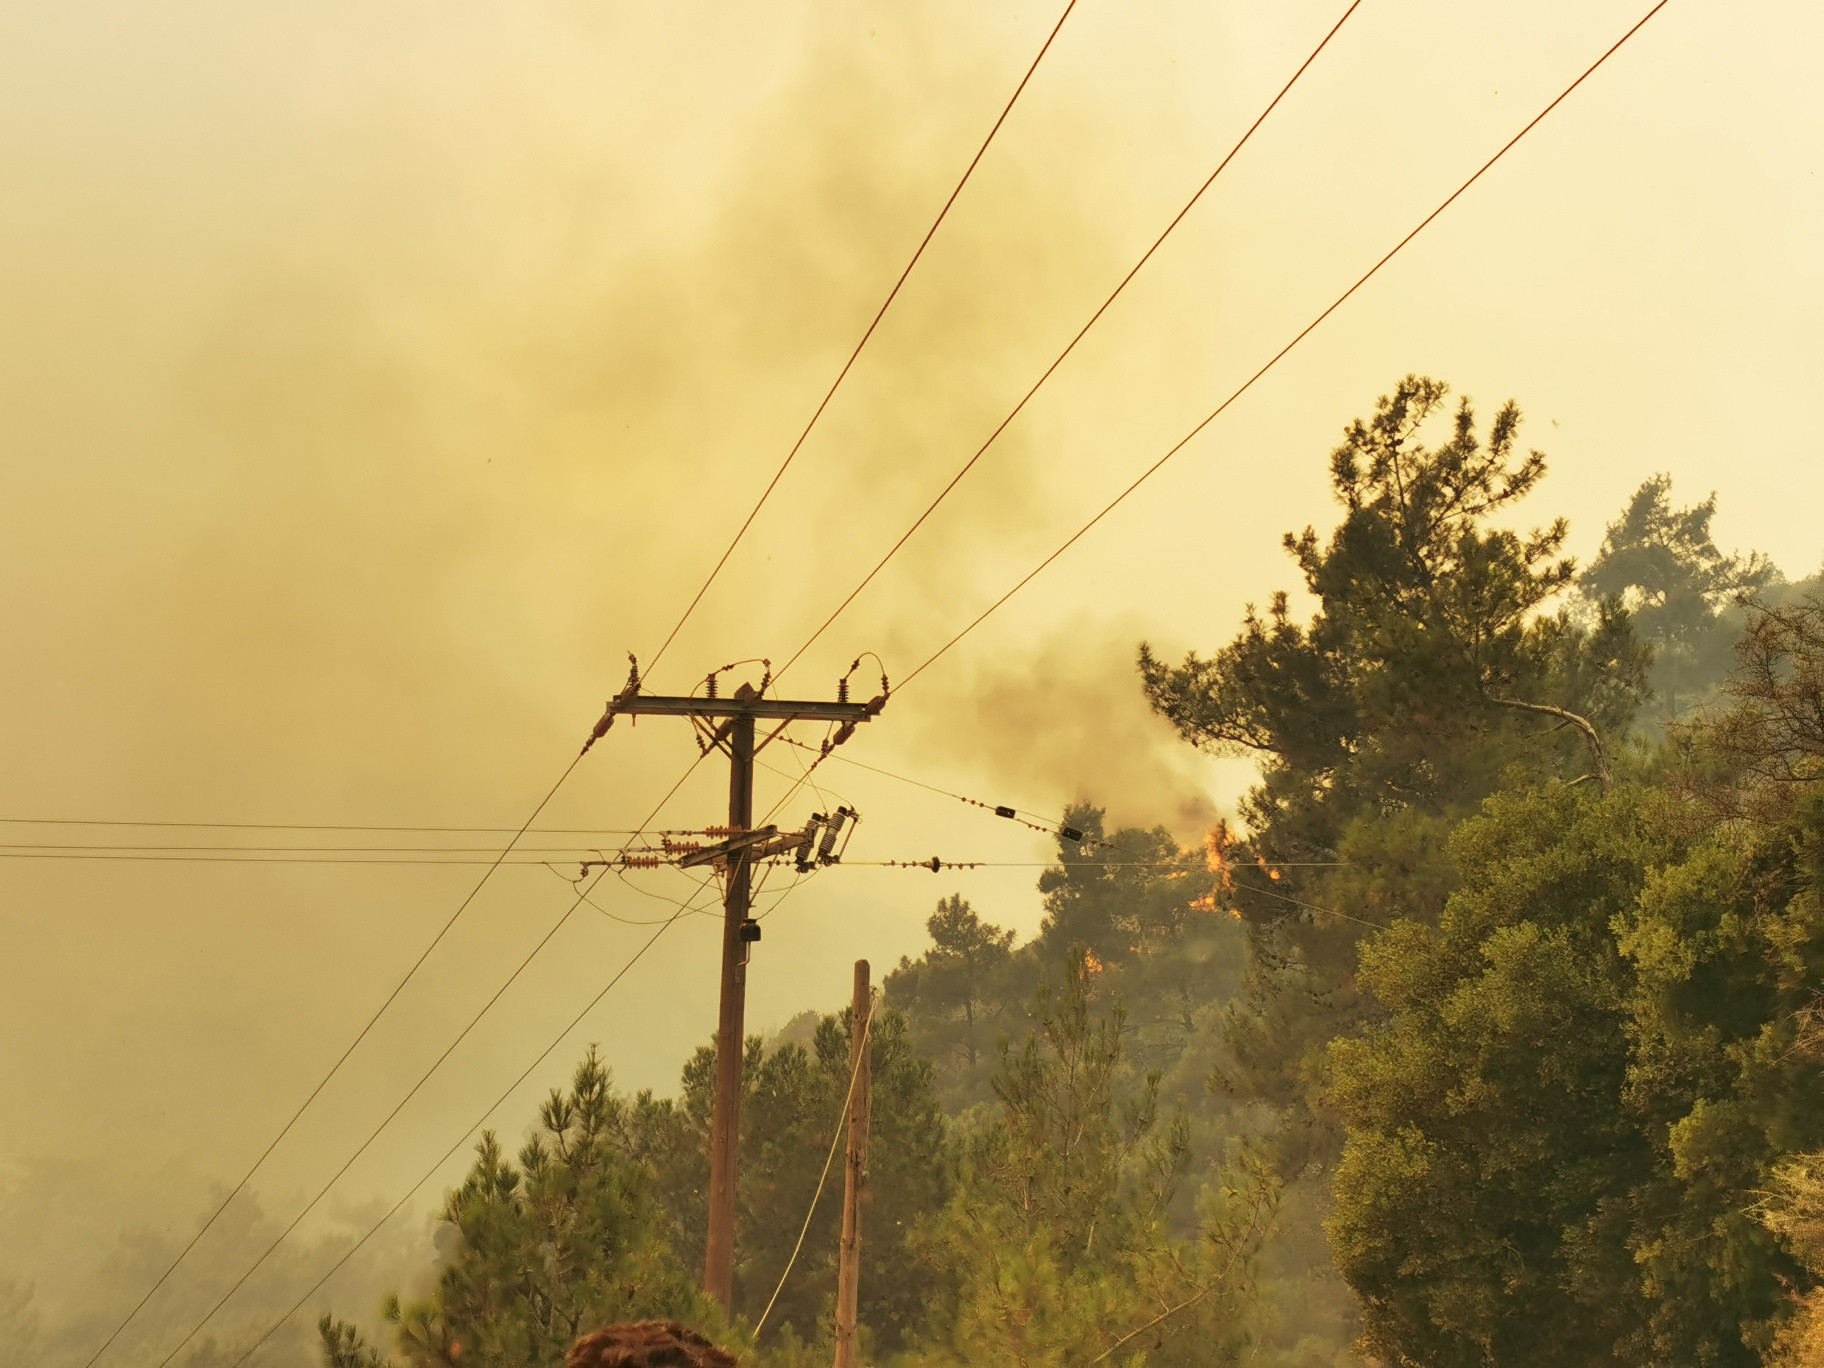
{"points": [[1216, 847]]}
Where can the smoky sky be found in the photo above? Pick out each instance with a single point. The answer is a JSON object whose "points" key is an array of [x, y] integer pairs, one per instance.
{"points": [[374, 378]]}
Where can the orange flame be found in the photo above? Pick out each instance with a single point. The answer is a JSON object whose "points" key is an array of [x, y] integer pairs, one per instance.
{"points": [[1216, 847]]}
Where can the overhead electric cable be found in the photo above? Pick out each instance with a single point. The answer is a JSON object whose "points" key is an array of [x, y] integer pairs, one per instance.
{"points": [[316, 826], [880, 313], [341, 1059], [1071, 346], [375, 1133], [621, 874], [1181, 863], [1305, 332], [463, 1139], [183, 857], [310, 850], [425, 1077], [1230, 885], [797, 783], [1313, 907], [1031, 820], [799, 877], [644, 893]]}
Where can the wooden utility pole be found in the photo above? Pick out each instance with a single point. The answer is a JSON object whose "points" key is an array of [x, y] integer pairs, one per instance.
{"points": [[731, 1030], [736, 737], [855, 1170]]}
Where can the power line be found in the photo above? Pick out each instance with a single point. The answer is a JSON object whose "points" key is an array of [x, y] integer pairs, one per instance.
{"points": [[1018, 408], [1031, 820], [1312, 907], [841, 375], [425, 1077], [464, 1138], [1229, 883], [328, 861], [644, 893], [360, 1036], [245, 849], [935, 865], [343, 861], [1308, 329], [797, 781], [799, 876], [1180, 863], [375, 1134], [319, 826]]}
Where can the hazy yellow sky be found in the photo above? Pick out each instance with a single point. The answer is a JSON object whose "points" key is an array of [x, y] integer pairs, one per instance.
{"points": [[374, 377]]}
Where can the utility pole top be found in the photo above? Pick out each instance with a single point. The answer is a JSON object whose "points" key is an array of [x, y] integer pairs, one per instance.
{"points": [[747, 703]]}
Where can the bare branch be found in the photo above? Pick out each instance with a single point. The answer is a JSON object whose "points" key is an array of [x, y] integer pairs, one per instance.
{"points": [[1583, 724]]}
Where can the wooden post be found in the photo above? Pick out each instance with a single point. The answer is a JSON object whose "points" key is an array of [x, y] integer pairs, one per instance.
{"points": [[855, 1171], [725, 1121]]}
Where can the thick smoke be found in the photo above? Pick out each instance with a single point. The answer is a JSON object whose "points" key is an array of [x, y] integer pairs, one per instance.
{"points": [[1065, 721], [373, 380]]}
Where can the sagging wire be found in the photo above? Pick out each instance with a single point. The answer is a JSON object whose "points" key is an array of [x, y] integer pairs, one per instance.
{"points": [[1069, 347], [313, 826], [799, 876], [1282, 353], [575, 883], [1029, 820], [600, 728], [892, 294], [374, 1135], [781, 896], [1313, 907]]}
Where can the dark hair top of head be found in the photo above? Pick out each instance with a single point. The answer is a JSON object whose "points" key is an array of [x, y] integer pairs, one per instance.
{"points": [[646, 1344]]}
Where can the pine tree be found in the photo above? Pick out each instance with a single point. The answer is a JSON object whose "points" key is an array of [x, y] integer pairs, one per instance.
{"points": [[1429, 676], [1663, 565], [568, 1238], [1058, 1233]]}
